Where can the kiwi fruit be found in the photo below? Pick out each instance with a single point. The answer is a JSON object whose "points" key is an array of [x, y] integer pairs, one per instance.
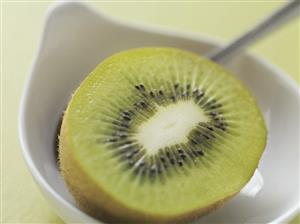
{"points": [[159, 135]]}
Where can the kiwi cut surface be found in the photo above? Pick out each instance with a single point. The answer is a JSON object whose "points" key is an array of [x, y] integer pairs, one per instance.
{"points": [[159, 135]]}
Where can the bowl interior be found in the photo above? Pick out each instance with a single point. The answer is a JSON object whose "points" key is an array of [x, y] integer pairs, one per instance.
{"points": [[76, 39]]}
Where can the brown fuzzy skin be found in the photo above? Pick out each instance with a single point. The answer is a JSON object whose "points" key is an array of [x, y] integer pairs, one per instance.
{"points": [[98, 204]]}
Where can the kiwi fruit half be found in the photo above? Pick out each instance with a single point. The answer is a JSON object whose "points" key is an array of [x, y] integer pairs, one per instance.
{"points": [[159, 135]]}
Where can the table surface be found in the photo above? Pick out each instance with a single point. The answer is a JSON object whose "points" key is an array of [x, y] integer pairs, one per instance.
{"points": [[22, 23]]}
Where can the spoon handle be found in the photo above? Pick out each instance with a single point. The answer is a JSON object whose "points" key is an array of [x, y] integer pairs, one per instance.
{"points": [[284, 14]]}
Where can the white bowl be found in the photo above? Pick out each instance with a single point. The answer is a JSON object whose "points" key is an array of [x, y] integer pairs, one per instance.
{"points": [[76, 39]]}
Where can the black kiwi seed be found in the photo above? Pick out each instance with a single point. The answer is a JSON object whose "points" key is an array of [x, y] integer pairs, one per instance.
{"points": [[195, 92], [135, 151], [216, 119], [161, 92], [223, 128], [188, 87], [137, 87], [163, 159], [142, 163], [168, 154], [180, 151], [172, 161], [173, 98], [180, 163], [193, 141], [199, 152], [143, 104], [176, 85], [220, 126], [125, 117], [206, 136], [152, 94], [182, 156], [142, 87], [210, 128], [126, 113], [112, 140], [199, 95]]}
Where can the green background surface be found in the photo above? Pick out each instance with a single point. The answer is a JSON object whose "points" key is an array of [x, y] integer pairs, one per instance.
{"points": [[22, 24]]}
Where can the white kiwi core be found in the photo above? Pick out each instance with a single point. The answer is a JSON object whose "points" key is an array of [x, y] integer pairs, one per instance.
{"points": [[170, 125]]}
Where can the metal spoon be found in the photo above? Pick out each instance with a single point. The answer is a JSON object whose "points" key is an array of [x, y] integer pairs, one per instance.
{"points": [[278, 18], [275, 20]]}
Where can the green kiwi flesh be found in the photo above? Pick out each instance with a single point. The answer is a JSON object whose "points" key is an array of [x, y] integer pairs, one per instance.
{"points": [[159, 135]]}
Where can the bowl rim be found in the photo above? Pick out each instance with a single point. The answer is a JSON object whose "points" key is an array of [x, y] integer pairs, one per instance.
{"points": [[37, 176]]}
